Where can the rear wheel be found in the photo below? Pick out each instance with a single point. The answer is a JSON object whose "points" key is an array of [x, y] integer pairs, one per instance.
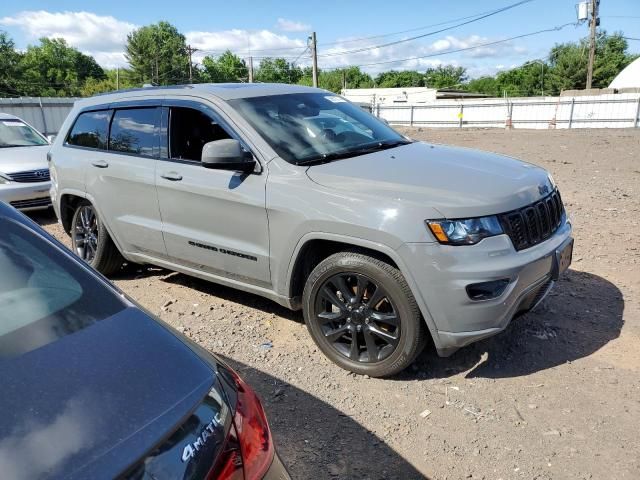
{"points": [[91, 241], [362, 314]]}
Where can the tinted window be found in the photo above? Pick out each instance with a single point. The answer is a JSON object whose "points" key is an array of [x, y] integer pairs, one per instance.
{"points": [[44, 295], [189, 130], [135, 130], [91, 130]]}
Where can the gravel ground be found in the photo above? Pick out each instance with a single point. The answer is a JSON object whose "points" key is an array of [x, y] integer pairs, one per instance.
{"points": [[557, 395]]}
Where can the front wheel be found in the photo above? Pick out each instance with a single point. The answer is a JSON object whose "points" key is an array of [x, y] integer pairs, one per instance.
{"points": [[91, 241], [362, 314]]}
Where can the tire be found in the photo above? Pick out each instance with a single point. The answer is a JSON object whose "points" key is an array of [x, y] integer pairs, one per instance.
{"points": [[91, 241], [352, 295]]}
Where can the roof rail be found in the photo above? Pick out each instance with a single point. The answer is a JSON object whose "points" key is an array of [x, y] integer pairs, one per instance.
{"points": [[144, 89]]}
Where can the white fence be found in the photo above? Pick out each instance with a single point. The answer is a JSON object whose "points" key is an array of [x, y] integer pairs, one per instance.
{"points": [[602, 111], [45, 114]]}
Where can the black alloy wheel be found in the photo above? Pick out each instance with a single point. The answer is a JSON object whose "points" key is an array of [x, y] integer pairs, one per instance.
{"points": [[85, 233], [357, 317], [362, 314], [91, 242]]}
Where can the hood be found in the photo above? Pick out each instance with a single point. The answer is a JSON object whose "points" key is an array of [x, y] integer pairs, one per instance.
{"points": [[20, 159], [457, 182], [102, 396]]}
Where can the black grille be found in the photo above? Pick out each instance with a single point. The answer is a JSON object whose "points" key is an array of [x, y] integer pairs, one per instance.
{"points": [[32, 203], [533, 224], [31, 176]]}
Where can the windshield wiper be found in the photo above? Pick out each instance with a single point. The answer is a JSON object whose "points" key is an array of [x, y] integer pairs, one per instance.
{"points": [[363, 150]]}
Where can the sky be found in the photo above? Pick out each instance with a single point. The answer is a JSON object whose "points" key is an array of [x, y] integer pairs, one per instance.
{"points": [[348, 32]]}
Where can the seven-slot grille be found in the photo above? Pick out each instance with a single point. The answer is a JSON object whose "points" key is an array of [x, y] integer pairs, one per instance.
{"points": [[31, 176], [533, 224]]}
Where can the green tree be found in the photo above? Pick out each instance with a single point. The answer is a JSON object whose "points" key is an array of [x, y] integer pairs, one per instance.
{"points": [[445, 76], [9, 66], [114, 80], [406, 78], [158, 54], [334, 80], [55, 69], [226, 68], [569, 61], [277, 70], [487, 85]]}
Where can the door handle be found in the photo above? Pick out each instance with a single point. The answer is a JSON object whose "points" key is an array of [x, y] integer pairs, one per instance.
{"points": [[100, 164], [173, 176]]}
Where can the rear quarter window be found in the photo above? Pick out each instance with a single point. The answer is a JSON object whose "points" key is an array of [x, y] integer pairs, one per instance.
{"points": [[91, 130]]}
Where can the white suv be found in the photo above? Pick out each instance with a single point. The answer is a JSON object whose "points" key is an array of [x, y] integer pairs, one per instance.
{"points": [[295, 194]]}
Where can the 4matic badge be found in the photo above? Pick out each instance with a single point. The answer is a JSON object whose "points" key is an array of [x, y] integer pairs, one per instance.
{"points": [[190, 450]]}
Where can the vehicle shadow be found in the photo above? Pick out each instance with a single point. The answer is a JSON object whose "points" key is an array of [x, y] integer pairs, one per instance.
{"points": [[317, 441], [43, 217], [234, 295], [581, 315]]}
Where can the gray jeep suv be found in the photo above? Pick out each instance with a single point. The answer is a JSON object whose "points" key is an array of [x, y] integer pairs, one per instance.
{"points": [[296, 194]]}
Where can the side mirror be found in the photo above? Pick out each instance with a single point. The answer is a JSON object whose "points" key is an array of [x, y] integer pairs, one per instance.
{"points": [[51, 138], [227, 154]]}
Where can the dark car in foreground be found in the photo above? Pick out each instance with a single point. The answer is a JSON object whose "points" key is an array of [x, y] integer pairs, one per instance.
{"points": [[95, 387]]}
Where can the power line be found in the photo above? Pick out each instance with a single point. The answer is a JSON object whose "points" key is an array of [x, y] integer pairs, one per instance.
{"points": [[457, 50], [404, 40], [631, 38], [475, 17], [415, 29]]}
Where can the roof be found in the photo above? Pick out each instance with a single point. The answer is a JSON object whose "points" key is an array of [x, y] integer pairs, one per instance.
{"points": [[629, 77], [224, 91]]}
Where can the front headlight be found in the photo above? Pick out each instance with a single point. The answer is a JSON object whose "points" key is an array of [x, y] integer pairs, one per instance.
{"points": [[464, 232], [4, 180]]}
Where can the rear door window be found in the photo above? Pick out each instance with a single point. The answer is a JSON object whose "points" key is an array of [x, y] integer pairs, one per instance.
{"points": [[91, 130], [136, 131]]}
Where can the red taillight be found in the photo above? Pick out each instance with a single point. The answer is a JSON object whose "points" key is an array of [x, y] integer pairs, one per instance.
{"points": [[249, 446], [254, 435], [229, 465]]}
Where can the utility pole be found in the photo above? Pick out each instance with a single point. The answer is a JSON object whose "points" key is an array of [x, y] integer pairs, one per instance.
{"points": [[117, 78], [595, 21], [190, 51], [250, 69], [314, 56]]}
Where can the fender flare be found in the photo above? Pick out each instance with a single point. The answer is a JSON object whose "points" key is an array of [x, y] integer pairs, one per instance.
{"points": [[378, 247]]}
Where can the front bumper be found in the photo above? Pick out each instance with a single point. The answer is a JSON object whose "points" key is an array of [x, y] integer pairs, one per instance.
{"points": [[442, 273], [26, 196]]}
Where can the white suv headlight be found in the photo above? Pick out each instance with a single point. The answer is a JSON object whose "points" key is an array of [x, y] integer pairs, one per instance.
{"points": [[464, 232]]}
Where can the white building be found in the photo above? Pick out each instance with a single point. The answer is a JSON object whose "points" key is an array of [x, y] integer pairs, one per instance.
{"points": [[390, 96], [629, 77]]}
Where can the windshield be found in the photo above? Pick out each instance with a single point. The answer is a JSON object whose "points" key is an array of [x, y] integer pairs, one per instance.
{"points": [[307, 127], [44, 295], [16, 133]]}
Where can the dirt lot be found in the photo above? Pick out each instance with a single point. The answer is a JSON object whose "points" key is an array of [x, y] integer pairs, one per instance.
{"points": [[557, 395]]}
